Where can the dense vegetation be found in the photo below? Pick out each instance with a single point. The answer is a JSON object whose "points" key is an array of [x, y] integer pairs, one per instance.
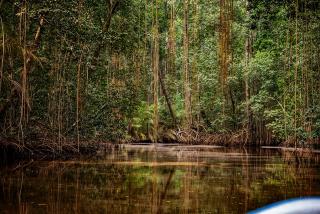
{"points": [[246, 70]]}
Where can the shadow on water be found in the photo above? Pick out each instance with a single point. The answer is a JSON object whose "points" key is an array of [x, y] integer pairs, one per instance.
{"points": [[142, 179]]}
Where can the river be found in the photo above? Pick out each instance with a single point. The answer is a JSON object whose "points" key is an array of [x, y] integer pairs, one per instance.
{"points": [[163, 179]]}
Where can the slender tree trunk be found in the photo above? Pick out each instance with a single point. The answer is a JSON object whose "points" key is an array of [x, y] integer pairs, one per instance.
{"points": [[167, 98], [155, 68], [78, 100], [3, 52], [112, 8], [171, 40], [195, 71], [224, 49], [296, 77], [187, 89], [24, 72], [248, 53], [286, 65]]}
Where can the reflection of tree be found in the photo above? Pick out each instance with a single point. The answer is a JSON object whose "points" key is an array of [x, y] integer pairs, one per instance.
{"points": [[164, 193], [233, 181]]}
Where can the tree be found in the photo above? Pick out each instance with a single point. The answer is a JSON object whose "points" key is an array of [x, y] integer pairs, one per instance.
{"points": [[187, 88]]}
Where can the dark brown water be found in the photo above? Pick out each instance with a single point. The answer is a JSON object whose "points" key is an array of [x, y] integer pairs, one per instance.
{"points": [[169, 180]]}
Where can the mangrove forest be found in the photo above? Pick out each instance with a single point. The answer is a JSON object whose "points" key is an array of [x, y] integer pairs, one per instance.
{"points": [[159, 106], [244, 72]]}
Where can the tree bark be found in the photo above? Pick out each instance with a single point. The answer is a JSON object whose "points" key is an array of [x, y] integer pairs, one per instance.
{"points": [[155, 69], [248, 53], [187, 89], [105, 28], [167, 98]]}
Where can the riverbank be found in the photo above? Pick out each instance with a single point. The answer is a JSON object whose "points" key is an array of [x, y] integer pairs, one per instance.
{"points": [[11, 151]]}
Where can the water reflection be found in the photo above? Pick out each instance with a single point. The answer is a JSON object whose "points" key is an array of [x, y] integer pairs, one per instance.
{"points": [[169, 180]]}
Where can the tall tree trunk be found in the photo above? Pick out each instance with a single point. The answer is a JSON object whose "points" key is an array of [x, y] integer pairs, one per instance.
{"points": [[248, 53], [2, 52], [296, 76], [286, 70], [171, 40], [78, 100], [187, 89], [195, 71], [167, 98], [112, 8], [155, 69], [224, 48]]}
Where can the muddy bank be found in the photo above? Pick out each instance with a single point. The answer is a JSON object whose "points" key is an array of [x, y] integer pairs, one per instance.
{"points": [[13, 151], [292, 149], [194, 137]]}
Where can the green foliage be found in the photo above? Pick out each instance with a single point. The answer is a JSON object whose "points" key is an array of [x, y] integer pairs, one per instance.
{"points": [[142, 120], [99, 69]]}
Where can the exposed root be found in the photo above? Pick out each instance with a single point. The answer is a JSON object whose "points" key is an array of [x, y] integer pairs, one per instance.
{"points": [[50, 149], [194, 137]]}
